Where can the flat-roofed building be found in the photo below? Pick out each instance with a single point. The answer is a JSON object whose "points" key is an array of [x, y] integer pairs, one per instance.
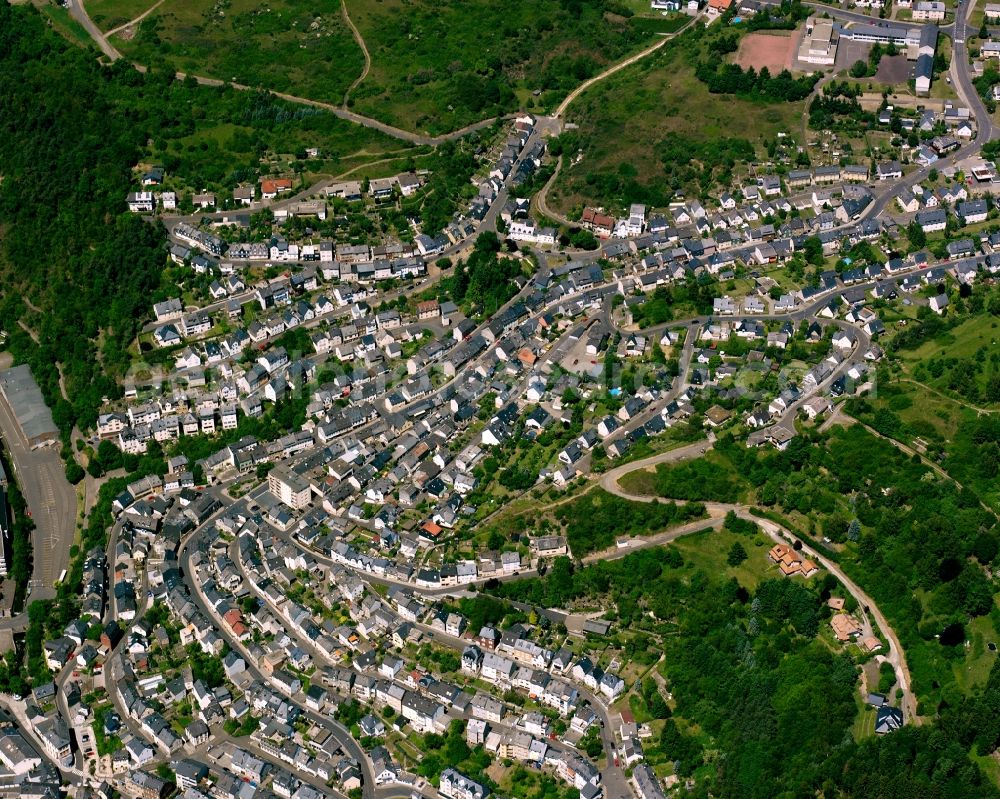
{"points": [[28, 406], [819, 44], [291, 488]]}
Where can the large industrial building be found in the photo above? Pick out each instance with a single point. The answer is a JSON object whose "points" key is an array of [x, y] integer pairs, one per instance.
{"points": [[821, 38], [32, 415]]}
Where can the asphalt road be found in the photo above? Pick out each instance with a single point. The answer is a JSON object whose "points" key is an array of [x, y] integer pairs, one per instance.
{"points": [[342, 735], [779, 534], [51, 502]]}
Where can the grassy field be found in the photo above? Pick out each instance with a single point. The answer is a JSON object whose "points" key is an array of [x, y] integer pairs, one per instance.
{"points": [[435, 67], [963, 341], [438, 66], [864, 722], [962, 363], [926, 413], [972, 672], [64, 23], [109, 14], [707, 551], [627, 121], [283, 45], [238, 135]]}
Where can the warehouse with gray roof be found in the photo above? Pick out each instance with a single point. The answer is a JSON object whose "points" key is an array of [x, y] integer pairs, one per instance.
{"points": [[33, 417]]}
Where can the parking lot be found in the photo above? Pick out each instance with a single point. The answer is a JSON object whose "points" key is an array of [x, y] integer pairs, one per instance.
{"points": [[849, 52]]}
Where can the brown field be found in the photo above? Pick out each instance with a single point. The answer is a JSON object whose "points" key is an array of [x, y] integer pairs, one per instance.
{"points": [[772, 50]]}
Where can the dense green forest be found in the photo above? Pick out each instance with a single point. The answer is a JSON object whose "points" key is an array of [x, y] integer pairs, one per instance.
{"points": [[73, 131], [722, 78], [915, 541], [923, 547], [762, 708], [484, 282], [67, 151]]}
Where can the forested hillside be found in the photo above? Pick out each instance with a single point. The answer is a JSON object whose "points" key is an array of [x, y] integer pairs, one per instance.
{"points": [[65, 156], [71, 133], [760, 706]]}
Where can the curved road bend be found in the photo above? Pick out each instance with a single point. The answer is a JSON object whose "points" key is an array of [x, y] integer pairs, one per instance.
{"points": [[718, 510], [339, 732]]}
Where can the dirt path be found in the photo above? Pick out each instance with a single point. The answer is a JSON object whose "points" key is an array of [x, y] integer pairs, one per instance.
{"points": [[838, 417], [620, 66], [541, 198], [908, 450], [31, 305], [28, 330], [364, 49], [713, 521], [79, 13], [137, 20], [359, 167], [941, 394], [808, 102]]}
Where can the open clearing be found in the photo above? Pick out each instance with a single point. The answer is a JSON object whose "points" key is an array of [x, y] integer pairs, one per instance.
{"points": [[282, 45], [435, 67], [771, 50], [625, 121]]}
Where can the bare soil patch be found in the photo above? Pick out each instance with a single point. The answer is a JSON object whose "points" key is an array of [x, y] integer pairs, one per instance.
{"points": [[771, 50]]}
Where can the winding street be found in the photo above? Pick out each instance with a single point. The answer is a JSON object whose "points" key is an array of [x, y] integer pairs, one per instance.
{"points": [[717, 512], [196, 589]]}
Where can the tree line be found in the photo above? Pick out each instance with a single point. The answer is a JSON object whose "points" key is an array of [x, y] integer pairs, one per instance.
{"points": [[722, 78]]}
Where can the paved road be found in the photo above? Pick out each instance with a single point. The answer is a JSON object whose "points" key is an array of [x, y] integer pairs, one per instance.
{"points": [[718, 510], [962, 78], [342, 735], [845, 15], [79, 13], [609, 480], [51, 502]]}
